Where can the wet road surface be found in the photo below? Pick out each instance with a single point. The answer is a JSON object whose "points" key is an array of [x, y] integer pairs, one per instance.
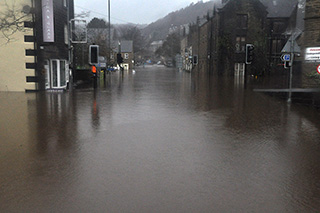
{"points": [[158, 140]]}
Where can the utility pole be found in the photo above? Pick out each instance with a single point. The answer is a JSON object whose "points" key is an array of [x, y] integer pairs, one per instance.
{"points": [[291, 48], [291, 67], [109, 32]]}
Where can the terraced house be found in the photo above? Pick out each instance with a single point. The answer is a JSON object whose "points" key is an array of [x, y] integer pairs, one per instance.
{"points": [[218, 39], [34, 44]]}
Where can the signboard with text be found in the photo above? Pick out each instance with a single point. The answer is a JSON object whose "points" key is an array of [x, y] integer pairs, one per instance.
{"points": [[313, 54], [47, 21]]}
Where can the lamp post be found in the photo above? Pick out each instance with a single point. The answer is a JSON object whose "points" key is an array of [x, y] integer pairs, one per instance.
{"points": [[290, 80], [109, 32]]}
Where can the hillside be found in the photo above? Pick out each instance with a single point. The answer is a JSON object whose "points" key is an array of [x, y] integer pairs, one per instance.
{"points": [[158, 30]]}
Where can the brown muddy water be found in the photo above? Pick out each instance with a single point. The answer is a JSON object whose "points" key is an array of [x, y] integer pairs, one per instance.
{"points": [[158, 140]]}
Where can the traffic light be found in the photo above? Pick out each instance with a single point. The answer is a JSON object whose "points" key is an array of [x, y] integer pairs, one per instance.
{"points": [[195, 60], [119, 58], [249, 53], [94, 54]]}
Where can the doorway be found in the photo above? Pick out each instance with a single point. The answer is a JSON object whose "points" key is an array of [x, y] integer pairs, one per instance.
{"points": [[58, 74]]}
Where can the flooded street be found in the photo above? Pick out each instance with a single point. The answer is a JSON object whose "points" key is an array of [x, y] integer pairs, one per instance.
{"points": [[158, 140]]}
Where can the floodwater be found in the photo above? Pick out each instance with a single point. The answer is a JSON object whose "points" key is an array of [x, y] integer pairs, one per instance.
{"points": [[158, 140]]}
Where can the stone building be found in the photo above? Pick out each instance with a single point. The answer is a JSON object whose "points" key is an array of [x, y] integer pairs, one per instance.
{"points": [[124, 47], [37, 57], [219, 38], [277, 24], [240, 22]]}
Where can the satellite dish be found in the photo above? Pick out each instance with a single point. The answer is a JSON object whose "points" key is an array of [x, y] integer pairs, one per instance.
{"points": [[26, 9]]}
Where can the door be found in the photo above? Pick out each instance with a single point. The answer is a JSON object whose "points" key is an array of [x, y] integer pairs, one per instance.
{"points": [[58, 74]]}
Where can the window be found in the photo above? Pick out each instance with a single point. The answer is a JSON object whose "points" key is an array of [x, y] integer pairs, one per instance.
{"points": [[54, 74], [62, 73], [279, 27], [240, 44], [58, 77], [65, 3], [242, 20], [276, 46], [66, 34]]}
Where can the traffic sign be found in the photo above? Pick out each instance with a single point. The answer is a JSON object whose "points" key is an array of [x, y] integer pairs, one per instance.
{"points": [[286, 57], [318, 69]]}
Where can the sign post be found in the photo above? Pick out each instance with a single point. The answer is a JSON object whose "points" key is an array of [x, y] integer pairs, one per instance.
{"points": [[291, 48]]}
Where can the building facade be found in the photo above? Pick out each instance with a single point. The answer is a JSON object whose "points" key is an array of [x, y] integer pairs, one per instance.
{"points": [[15, 70], [126, 49], [38, 57], [219, 39]]}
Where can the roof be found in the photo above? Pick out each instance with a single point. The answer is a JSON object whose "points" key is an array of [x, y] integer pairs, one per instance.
{"points": [[279, 8], [225, 3], [126, 46], [275, 8]]}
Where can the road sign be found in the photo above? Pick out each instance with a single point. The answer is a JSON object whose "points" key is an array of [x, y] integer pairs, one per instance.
{"points": [[318, 69], [291, 47], [312, 54], [286, 57]]}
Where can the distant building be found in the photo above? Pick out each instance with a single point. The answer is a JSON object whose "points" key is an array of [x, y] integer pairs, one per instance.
{"points": [[37, 57], [218, 40], [127, 53], [155, 45]]}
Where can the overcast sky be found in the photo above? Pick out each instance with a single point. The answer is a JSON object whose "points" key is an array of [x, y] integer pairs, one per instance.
{"points": [[131, 11]]}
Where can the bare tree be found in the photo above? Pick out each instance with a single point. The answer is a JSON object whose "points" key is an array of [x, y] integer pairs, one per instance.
{"points": [[82, 15], [11, 20]]}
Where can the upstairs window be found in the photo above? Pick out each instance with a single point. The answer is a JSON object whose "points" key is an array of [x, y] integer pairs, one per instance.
{"points": [[242, 21], [66, 34]]}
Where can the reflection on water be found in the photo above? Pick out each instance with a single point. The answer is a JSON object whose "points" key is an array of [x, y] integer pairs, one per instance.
{"points": [[158, 140]]}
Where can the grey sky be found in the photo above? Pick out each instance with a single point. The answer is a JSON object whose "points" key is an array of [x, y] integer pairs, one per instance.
{"points": [[131, 11]]}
